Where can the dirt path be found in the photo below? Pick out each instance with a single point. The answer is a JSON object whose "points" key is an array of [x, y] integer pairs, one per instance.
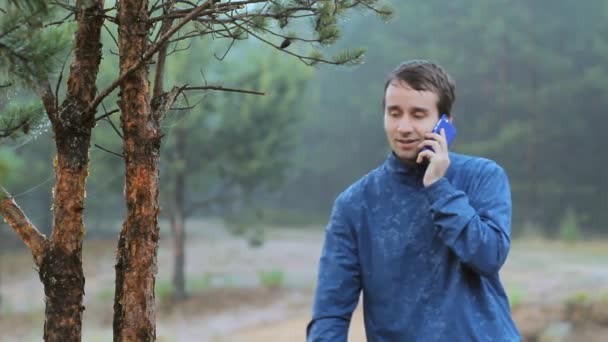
{"points": [[231, 305]]}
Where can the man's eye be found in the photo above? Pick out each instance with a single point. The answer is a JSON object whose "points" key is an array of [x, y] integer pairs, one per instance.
{"points": [[393, 113]]}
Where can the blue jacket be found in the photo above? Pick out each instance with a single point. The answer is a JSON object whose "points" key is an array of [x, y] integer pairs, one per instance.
{"points": [[426, 259]]}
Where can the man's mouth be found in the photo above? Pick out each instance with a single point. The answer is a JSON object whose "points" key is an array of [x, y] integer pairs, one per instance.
{"points": [[407, 143]]}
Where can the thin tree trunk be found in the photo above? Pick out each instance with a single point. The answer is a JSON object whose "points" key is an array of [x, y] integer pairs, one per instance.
{"points": [[134, 302], [179, 220], [59, 258]]}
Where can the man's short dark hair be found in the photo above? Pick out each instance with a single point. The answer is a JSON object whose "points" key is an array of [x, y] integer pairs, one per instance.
{"points": [[423, 75]]}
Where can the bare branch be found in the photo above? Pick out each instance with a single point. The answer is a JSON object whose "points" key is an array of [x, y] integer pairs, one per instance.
{"points": [[68, 7], [35, 241], [151, 51], [107, 118], [162, 55], [59, 82], [7, 132], [111, 34], [111, 152], [218, 8], [9, 31], [188, 103], [175, 49], [225, 53], [163, 103], [48, 99], [155, 7], [107, 114], [62, 21], [220, 88]]}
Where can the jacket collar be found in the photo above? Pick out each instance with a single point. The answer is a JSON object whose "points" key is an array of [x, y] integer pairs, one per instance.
{"points": [[394, 165]]}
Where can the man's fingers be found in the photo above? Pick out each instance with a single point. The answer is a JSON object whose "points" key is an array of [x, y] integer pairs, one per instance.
{"points": [[440, 138], [435, 145], [424, 154], [444, 140]]}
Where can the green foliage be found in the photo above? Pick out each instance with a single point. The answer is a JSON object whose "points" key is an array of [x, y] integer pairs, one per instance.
{"points": [[19, 119], [349, 57], [272, 278], [570, 230], [30, 52], [385, 12], [329, 35], [10, 165], [260, 24], [524, 98], [516, 295], [578, 298]]}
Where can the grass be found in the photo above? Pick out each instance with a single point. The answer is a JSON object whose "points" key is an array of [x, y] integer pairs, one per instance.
{"points": [[164, 289], [579, 298], [105, 295], [201, 283], [272, 279], [516, 294]]}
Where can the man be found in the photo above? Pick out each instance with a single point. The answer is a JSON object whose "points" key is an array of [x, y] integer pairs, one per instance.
{"points": [[423, 236]]}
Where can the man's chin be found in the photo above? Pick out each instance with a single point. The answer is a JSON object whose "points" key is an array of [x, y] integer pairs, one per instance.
{"points": [[407, 158]]}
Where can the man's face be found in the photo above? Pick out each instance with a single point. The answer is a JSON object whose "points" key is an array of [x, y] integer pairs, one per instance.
{"points": [[408, 115]]}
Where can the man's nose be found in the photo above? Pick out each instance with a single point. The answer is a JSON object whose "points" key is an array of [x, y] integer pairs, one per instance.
{"points": [[405, 126]]}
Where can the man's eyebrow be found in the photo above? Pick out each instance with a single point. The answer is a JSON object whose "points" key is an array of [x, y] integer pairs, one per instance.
{"points": [[419, 109], [393, 107]]}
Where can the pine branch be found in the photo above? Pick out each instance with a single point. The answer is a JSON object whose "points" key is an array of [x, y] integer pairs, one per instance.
{"points": [[107, 118], [107, 114], [48, 100], [220, 88], [217, 9], [111, 152], [152, 50], [162, 55], [14, 217], [306, 60]]}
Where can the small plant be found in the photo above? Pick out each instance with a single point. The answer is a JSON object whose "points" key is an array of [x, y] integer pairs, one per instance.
{"points": [[579, 298], [107, 294], [164, 290], [516, 296], [201, 283], [271, 279], [570, 230]]}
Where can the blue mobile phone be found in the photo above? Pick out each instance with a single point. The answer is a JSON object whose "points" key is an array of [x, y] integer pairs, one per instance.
{"points": [[450, 130]]}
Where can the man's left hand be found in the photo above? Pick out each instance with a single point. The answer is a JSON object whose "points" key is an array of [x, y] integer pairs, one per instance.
{"points": [[439, 159]]}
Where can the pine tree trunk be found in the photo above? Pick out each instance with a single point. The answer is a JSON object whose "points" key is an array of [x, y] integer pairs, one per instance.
{"points": [[134, 302], [60, 265]]}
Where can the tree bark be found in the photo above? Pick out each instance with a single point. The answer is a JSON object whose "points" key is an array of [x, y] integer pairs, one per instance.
{"points": [[59, 258], [61, 268], [134, 302]]}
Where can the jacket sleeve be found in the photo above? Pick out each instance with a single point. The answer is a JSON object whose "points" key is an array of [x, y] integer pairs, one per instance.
{"points": [[338, 283], [475, 226]]}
